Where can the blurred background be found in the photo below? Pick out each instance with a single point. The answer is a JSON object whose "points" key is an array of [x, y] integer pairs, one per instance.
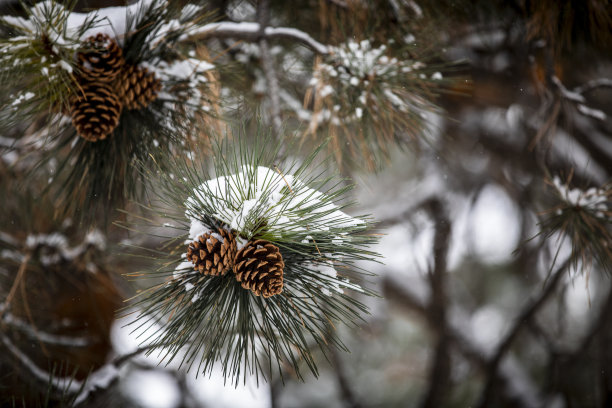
{"points": [[492, 199]]}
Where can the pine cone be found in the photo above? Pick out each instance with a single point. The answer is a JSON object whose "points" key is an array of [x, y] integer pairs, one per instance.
{"points": [[102, 60], [95, 112], [213, 254], [259, 267], [137, 87]]}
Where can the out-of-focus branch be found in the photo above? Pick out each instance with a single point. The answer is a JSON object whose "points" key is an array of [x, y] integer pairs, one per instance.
{"points": [[593, 84], [460, 341], [59, 384], [47, 338], [346, 391], [16, 283], [528, 313], [252, 32], [267, 63], [578, 99], [440, 369]]}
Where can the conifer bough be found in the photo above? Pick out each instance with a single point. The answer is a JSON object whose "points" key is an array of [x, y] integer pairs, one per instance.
{"points": [[293, 264], [108, 84]]}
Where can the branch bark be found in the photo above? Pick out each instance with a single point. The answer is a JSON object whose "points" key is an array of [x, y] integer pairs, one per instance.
{"points": [[267, 63], [440, 368]]}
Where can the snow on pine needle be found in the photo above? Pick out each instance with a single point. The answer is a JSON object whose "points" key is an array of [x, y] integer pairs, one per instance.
{"points": [[585, 218], [368, 100], [260, 260], [129, 80]]}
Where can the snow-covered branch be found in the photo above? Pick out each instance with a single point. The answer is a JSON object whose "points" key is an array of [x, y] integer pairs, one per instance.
{"points": [[63, 384], [49, 338], [248, 31], [593, 84], [576, 97]]}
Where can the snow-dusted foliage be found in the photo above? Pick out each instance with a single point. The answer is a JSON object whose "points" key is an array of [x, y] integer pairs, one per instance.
{"points": [[597, 201], [367, 97], [253, 201]]}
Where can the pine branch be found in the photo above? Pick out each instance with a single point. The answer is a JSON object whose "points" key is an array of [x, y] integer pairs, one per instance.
{"points": [[209, 315]]}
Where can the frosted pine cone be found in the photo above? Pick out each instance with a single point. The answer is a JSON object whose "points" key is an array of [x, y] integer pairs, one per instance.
{"points": [[95, 112], [212, 253], [137, 87], [101, 60], [259, 267]]}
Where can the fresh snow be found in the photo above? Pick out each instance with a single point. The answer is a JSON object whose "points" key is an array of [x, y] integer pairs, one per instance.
{"points": [[267, 198], [595, 200], [63, 251]]}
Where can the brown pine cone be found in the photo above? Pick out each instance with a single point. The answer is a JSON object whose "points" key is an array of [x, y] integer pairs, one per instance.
{"points": [[259, 267], [101, 60], [137, 87], [95, 111], [213, 254]]}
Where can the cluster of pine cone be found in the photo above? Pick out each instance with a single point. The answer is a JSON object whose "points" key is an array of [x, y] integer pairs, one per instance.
{"points": [[107, 84], [258, 266]]}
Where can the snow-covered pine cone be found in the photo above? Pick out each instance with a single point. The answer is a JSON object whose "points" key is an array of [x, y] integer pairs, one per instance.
{"points": [[101, 60], [95, 111], [137, 87], [259, 267], [213, 253]]}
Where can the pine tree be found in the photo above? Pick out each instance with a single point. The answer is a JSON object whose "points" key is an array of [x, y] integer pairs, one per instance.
{"points": [[195, 176]]}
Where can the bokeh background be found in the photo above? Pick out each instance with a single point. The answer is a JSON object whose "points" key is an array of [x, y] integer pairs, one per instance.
{"points": [[480, 304]]}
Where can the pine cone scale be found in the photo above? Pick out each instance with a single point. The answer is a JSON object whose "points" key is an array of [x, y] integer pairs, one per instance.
{"points": [[102, 59], [95, 113], [137, 87], [211, 256], [259, 268]]}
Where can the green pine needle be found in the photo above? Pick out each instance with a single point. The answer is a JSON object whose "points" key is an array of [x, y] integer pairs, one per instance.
{"points": [[211, 319]]}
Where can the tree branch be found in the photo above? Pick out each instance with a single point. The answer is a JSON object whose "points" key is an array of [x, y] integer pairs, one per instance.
{"points": [[248, 31], [440, 369], [263, 16], [525, 316], [594, 84], [461, 342]]}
